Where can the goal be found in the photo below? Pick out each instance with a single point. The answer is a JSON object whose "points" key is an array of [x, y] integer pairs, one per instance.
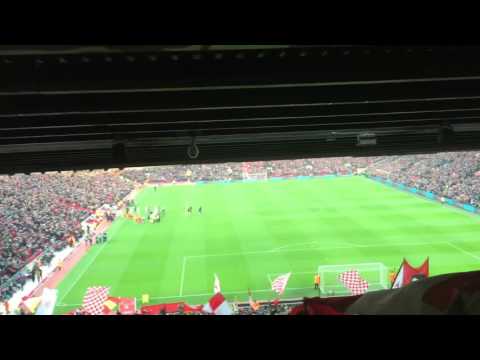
{"points": [[374, 273], [255, 176]]}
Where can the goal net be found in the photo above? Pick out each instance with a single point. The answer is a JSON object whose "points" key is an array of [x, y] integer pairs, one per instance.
{"points": [[376, 274], [255, 176]]}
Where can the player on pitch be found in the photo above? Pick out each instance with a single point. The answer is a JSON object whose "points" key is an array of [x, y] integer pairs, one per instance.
{"points": [[316, 282]]}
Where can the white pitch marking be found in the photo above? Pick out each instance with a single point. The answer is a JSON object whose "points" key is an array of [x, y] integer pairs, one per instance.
{"points": [[321, 249], [182, 280], [226, 293], [273, 251], [291, 245], [293, 273], [464, 251], [82, 273], [269, 279]]}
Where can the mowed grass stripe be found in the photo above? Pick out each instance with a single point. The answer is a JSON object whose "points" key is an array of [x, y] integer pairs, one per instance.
{"points": [[347, 220]]}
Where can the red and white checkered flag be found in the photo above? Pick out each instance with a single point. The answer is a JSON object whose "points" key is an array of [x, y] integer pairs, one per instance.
{"points": [[94, 299], [280, 283], [354, 282]]}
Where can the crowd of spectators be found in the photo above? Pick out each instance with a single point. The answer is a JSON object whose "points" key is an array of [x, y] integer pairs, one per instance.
{"points": [[318, 167], [239, 171], [183, 173], [278, 307], [39, 212], [453, 175], [268, 308]]}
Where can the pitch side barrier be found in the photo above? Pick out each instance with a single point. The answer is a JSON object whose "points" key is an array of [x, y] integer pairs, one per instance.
{"points": [[288, 302], [271, 179], [426, 194], [237, 181]]}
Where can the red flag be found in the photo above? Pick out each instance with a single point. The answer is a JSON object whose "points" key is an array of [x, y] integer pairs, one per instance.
{"points": [[169, 308], [127, 306], [124, 306], [407, 273], [217, 305]]}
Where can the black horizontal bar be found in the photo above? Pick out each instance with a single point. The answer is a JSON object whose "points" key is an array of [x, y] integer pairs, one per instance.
{"points": [[344, 63], [143, 156], [254, 97]]}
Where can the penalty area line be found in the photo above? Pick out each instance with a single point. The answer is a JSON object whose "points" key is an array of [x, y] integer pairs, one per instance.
{"points": [[352, 246], [82, 273], [294, 245], [464, 251], [182, 279]]}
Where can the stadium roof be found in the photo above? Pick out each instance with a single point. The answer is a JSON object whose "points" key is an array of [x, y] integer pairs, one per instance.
{"points": [[68, 107]]}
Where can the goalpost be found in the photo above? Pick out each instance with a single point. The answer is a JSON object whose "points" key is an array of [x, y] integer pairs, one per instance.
{"points": [[376, 274], [255, 176]]}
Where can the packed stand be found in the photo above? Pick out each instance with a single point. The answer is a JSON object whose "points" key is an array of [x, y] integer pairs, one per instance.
{"points": [[454, 175], [184, 173], [39, 212], [318, 167], [267, 308], [239, 171]]}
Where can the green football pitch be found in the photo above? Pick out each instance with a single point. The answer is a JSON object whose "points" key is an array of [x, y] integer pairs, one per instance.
{"points": [[249, 233]]}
